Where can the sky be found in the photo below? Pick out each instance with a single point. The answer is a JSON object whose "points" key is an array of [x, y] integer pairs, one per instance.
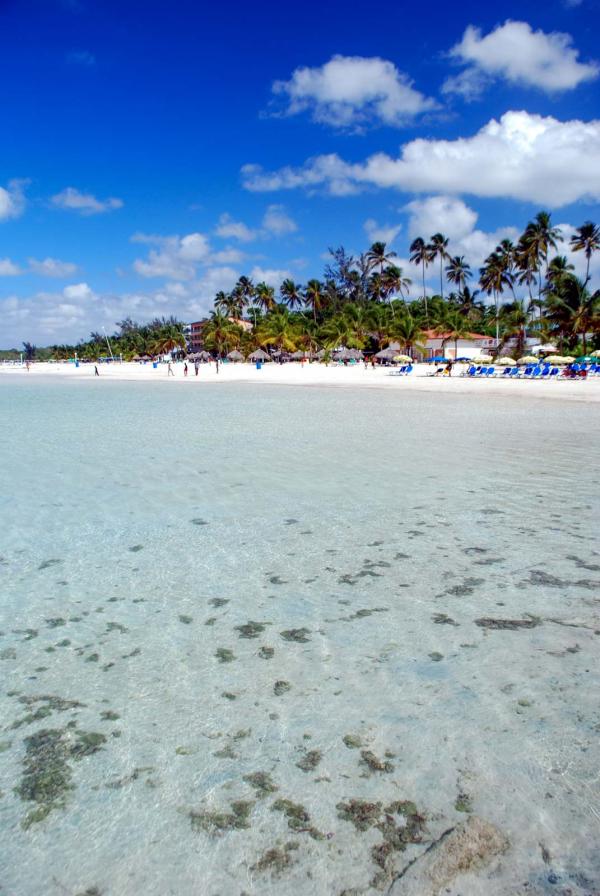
{"points": [[152, 152]]}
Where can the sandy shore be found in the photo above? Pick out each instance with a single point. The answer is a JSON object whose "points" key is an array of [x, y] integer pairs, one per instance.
{"points": [[295, 374]]}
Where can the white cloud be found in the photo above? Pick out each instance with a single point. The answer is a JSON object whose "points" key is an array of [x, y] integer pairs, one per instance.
{"points": [[521, 156], [456, 220], [12, 199], [278, 222], [8, 268], [229, 255], [353, 92], [84, 203], [518, 54], [381, 233], [230, 229], [176, 257], [77, 291], [436, 214], [271, 276], [52, 267]]}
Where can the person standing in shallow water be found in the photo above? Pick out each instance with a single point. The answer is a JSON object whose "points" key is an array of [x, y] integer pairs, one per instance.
{"points": [[170, 369]]}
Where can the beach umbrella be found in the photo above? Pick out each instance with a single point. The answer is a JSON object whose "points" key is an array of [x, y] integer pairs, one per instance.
{"points": [[259, 355], [482, 359], [404, 359], [387, 353], [528, 359], [438, 360], [559, 359], [596, 354], [505, 362], [354, 354], [585, 359], [235, 356]]}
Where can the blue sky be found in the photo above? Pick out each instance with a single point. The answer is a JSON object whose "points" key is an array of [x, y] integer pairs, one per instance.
{"points": [[153, 152]]}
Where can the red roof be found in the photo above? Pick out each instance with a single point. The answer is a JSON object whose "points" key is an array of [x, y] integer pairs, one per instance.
{"points": [[434, 334]]}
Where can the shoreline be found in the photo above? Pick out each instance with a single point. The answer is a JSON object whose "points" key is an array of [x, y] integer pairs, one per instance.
{"points": [[311, 375]]}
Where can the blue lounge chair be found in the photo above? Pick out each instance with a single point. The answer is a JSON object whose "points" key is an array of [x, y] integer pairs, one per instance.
{"points": [[490, 371]]}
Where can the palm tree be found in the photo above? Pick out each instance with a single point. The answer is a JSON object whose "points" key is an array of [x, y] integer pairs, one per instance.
{"points": [[492, 279], [439, 246], [537, 240], [586, 239], [558, 268], [407, 330], [264, 297], [281, 329], [221, 333], [291, 293], [377, 256], [573, 311], [314, 297], [458, 272], [514, 318], [393, 281], [454, 326], [421, 253]]}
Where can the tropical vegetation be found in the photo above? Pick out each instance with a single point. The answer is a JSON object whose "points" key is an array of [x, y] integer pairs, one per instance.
{"points": [[525, 288]]}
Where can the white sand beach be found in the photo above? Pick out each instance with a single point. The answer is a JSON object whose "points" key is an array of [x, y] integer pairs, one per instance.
{"points": [[296, 374]]}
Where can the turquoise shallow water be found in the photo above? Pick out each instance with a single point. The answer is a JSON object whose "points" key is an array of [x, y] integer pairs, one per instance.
{"points": [[144, 527]]}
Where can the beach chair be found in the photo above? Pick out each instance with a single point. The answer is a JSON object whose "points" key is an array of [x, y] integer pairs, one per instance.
{"points": [[527, 372], [490, 371], [470, 371], [515, 372], [554, 372], [507, 371], [537, 371], [408, 369], [545, 372]]}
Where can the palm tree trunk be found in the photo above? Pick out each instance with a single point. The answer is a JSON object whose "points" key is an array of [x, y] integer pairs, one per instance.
{"points": [[441, 276], [425, 295]]}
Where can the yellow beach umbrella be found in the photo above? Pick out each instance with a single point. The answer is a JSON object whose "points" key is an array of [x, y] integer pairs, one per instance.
{"points": [[505, 362], [405, 359], [482, 359], [528, 359]]}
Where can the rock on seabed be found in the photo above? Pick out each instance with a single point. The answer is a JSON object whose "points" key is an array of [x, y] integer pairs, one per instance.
{"points": [[467, 848]]}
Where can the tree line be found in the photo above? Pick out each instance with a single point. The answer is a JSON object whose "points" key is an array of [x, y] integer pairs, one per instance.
{"points": [[367, 301]]}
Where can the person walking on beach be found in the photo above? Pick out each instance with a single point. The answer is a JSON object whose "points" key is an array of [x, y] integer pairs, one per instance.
{"points": [[196, 367], [217, 364], [185, 369], [96, 373], [170, 369]]}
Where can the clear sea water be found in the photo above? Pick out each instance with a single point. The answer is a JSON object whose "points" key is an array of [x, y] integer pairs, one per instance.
{"points": [[143, 524]]}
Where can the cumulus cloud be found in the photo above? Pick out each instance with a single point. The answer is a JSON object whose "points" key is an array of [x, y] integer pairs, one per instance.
{"points": [[381, 233], [271, 276], [71, 314], [521, 156], [51, 267], [77, 291], [519, 55], [278, 222], [436, 214], [8, 268], [175, 259], [12, 199], [353, 92], [230, 229], [84, 203]]}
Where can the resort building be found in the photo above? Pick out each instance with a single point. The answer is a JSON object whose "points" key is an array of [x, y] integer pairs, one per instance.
{"points": [[442, 344]]}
